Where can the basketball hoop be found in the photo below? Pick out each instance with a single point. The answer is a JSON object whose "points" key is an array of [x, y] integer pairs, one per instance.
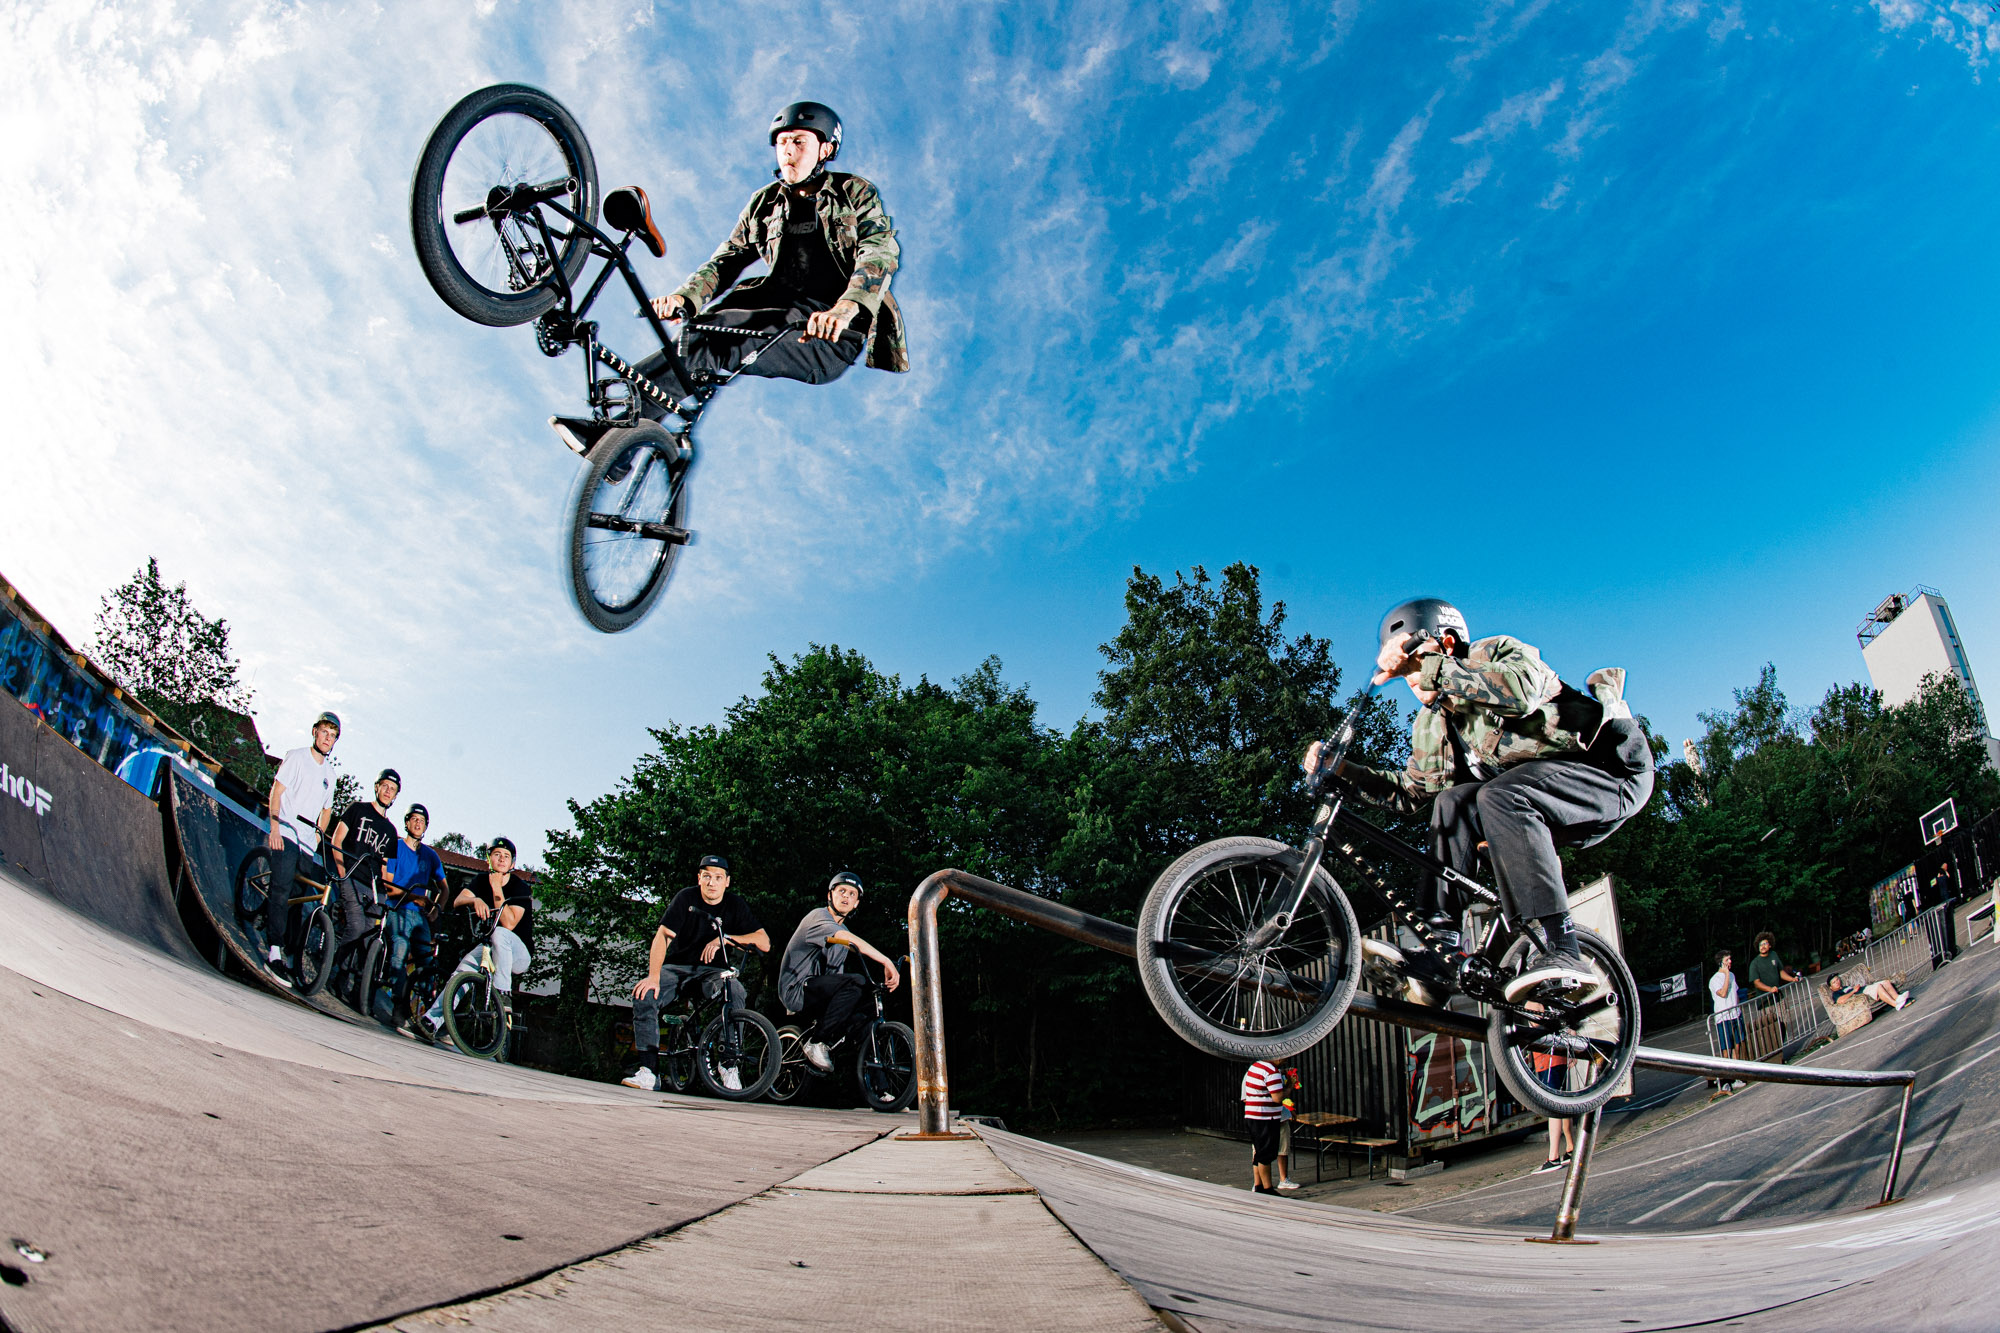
{"points": [[1940, 821]]}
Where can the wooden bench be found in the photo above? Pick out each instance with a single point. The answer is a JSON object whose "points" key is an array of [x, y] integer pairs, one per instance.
{"points": [[1320, 1124]]}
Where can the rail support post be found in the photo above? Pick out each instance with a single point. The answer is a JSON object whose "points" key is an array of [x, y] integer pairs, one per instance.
{"points": [[1572, 1195], [927, 1009], [1896, 1152]]}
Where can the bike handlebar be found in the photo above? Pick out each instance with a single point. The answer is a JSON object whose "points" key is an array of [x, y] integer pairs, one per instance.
{"points": [[1334, 752]]}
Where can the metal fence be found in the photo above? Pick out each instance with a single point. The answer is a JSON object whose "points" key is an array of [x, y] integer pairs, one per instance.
{"points": [[1775, 1024]]}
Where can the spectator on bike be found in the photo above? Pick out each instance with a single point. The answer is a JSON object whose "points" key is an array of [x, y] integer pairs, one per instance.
{"points": [[415, 872], [1505, 753], [300, 805], [689, 936], [830, 248], [362, 843], [504, 898], [810, 982]]}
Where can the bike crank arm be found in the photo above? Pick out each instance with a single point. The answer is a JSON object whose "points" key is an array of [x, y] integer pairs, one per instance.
{"points": [[659, 532]]}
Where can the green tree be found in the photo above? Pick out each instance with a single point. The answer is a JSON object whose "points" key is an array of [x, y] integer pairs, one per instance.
{"points": [[178, 664]]}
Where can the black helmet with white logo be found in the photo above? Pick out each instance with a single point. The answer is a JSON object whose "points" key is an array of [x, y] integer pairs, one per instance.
{"points": [[1428, 617], [818, 117]]}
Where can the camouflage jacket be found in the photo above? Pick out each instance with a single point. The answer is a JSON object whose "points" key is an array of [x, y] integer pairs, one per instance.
{"points": [[1508, 706], [860, 235]]}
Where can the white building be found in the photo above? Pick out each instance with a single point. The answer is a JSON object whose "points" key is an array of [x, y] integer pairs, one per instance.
{"points": [[1911, 636]]}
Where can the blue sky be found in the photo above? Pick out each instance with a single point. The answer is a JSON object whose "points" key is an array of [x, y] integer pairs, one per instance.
{"points": [[1656, 334]]}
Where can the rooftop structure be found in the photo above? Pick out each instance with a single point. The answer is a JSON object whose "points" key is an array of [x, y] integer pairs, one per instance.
{"points": [[1910, 636]]}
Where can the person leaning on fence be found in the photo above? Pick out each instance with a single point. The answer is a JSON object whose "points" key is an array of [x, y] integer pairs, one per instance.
{"points": [[1263, 1114], [1723, 991], [503, 897], [301, 803], [688, 938], [1768, 972]]}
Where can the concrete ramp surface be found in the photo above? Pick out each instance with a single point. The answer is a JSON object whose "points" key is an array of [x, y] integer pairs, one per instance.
{"points": [[1223, 1259]]}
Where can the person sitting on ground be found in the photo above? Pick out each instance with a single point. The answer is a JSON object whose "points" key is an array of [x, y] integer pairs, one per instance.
{"points": [[831, 250], [1880, 991], [811, 983], [503, 897], [689, 936], [1502, 751], [301, 803], [415, 871], [361, 844]]}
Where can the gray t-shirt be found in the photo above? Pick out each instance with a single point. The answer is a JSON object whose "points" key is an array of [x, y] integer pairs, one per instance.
{"points": [[809, 955]]}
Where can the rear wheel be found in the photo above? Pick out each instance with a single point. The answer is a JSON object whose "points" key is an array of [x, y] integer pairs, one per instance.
{"points": [[792, 1068], [1586, 1061], [627, 523], [475, 1014], [253, 887], [499, 270], [316, 945], [886, 1066], [677, 1058], [1212, 975], [745, 1042]]}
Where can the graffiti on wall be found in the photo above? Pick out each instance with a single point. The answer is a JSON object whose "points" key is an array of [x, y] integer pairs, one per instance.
{"points": [[1448, 1091]]}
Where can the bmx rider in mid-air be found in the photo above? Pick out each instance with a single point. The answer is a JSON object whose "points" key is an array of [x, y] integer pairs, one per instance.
{"points": [[831, 249]]}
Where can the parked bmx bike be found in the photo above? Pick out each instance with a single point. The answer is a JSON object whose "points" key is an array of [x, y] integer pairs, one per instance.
{"points": [[315, 940], [705, 1038], [1250, 950], [885, 1061], [504, 210]]}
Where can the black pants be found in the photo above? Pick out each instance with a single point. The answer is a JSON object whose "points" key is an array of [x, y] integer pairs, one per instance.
{"points": [[285, 864], [760, 312], [353, 898], [836, 1002], [1526, 812]]}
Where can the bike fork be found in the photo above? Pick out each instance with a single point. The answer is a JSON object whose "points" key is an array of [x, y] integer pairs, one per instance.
{"points": [[1313, 853]]}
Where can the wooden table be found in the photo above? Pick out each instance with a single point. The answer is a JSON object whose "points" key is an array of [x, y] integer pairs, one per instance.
{"points": [[1319, 1122]]}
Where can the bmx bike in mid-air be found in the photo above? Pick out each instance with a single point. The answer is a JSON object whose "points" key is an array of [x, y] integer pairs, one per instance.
{"points": [[1249, 949], [504, 210]]}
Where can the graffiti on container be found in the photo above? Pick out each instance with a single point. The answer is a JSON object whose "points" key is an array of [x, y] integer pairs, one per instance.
{"points": [[74, 702], [1448, 1095]]}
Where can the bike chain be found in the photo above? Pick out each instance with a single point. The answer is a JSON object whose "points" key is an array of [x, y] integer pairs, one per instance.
{"points": [[553, 334]]}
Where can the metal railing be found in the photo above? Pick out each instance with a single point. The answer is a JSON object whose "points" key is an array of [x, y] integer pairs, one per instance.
{"points": [[934, 1086], [1776, 1023]]}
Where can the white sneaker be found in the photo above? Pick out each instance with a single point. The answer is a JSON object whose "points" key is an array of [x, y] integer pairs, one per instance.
{"points": [[275, 955], [645, 1080], [1566, 969], [730, 1080], [818, 1057], [1288, 1184]]}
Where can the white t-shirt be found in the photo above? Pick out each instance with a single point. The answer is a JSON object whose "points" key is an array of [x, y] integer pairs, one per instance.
{"points": [[307, 778], [1723, 990]]}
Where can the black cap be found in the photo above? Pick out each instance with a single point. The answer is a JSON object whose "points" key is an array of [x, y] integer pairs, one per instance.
{"points": [[414, 811], [498, 843], [719, 862]]}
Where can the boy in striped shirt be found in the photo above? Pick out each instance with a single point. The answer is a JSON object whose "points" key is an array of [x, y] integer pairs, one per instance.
{"points": [[1263, 1091]]}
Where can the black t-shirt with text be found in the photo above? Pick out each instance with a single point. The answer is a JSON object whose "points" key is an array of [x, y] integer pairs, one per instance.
{"points": [[692, 922], [368, 830]]}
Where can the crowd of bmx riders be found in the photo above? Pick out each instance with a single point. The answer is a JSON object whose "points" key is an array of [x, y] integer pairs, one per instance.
{"points": [[1249, 949], [374, 932]]}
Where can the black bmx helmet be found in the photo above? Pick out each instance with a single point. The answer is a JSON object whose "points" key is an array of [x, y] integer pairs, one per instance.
{"points": [[818, 117], [415, 810], [845, 877], [390, 775], [1427, 616], [329, 720], [498, 843]]}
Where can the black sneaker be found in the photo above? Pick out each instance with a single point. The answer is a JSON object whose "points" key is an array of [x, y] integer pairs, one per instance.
{"points": [[1553, 1164], [1566, 969], [1262, 1189]]}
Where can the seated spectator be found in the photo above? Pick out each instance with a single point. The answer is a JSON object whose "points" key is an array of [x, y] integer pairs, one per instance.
{"points": [[1880, 991], [689, 936], [414, 874], [503, 897], [811, 983]]}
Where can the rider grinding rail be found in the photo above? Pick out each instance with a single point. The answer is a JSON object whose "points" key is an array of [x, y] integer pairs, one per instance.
{"points": [[1508, 755], [831, 249]]}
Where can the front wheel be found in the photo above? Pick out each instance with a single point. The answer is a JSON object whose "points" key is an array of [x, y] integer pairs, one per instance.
{"points": [[475, 1012], [627, 523], [372, 981], [1579, 1065], [793, 1071], [886, 1067], [316, 946], [501, 270], [744, 1044], [1224, 982]]}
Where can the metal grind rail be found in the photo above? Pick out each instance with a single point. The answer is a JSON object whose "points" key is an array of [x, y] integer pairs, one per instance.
{"points": [[934, 1090]]}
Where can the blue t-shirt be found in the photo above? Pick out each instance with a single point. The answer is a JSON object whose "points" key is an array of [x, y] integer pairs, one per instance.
{"points": [[416, 869]]}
